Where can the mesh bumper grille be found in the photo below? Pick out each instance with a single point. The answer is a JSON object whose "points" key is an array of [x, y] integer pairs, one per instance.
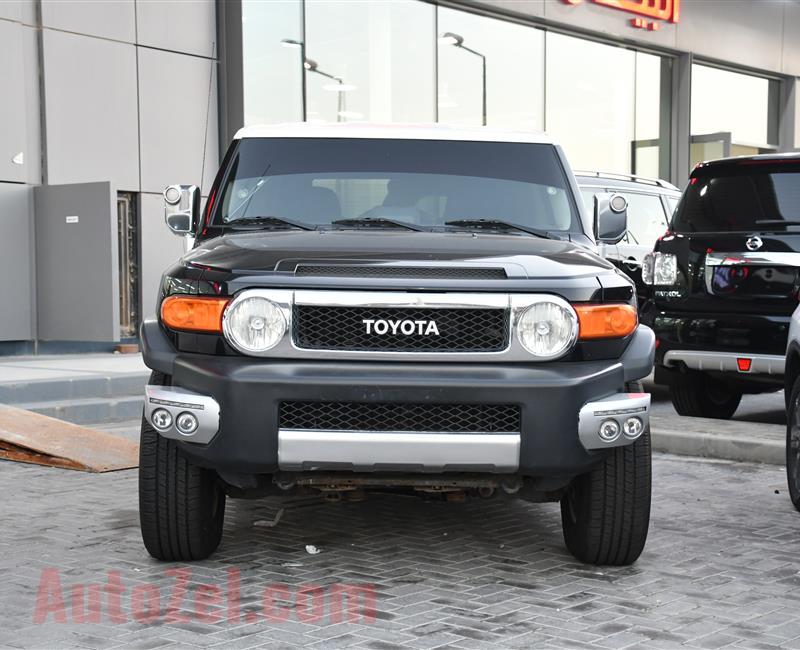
{"points": [[343, 328], [392, 416]]}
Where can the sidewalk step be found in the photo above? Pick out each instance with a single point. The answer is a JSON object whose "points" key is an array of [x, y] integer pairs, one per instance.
{"points": [[724, 439], [89, 410], [45, 390]]}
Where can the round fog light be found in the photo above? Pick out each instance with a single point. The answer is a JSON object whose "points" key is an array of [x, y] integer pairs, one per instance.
{"points": [[632, 428], [609, 430], [161, 419], [186, 423]]}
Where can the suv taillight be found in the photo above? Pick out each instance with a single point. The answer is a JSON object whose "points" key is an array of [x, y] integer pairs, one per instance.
{"points": [[659, 269]]}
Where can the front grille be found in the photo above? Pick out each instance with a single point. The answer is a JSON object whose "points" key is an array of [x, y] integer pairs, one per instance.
{"points": [[342, 328], [391, 416], [416, 272]]}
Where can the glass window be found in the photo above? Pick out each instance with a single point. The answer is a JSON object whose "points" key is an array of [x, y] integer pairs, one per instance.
{"points": [[272, 74], [590, 102], [646, 218], [741, 198], [514, 71], [731, 102], [604, 105], [420, 182], [672, 204], [652, 146], [370, 60]]}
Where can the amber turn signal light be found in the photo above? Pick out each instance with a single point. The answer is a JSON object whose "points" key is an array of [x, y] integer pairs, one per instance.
{"points": [[606, 321], [193, 313]]}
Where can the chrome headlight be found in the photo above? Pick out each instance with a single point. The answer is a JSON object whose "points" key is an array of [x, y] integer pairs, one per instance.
{"points": [[548, 328], [253, 324]]}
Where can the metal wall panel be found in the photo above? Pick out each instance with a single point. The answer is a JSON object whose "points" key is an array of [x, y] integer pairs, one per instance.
{"points": [[21, 10], [90, 110], [173, 96], [748, 33], [177, 25], [791, 39], [77, 262], [159, 246], [16, 262], [33, 123], [13, 120], [105, 18]]}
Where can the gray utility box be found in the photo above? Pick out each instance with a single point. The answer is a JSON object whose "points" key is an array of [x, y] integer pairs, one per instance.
{"points": [[77, 262]]}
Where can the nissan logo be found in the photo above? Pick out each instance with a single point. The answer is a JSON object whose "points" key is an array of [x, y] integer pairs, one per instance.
{"points": [[754, 243]]}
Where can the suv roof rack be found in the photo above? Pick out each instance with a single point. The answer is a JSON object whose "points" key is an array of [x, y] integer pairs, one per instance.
{"points": [[629, 177]]}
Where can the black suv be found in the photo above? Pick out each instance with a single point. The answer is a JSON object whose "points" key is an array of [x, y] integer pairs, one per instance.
{"points": [[416, 308], [725, 283]]}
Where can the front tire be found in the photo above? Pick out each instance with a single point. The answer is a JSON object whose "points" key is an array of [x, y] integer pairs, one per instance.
{"points": [[181, 505], [605, 514], [793, 445], [701, 396]]}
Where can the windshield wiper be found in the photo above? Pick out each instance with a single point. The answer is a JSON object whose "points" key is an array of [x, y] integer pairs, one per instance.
{"points": [[496, 224], [275, 222], [376, 222]]}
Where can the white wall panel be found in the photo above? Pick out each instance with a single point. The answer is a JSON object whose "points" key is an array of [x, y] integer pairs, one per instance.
{"points": [[159, 249], [106, 18], [748, 33], [21, 10], [13, 120], [90, 110], [16, 262], [791, 39], [33, 121], [177, 25], [173, 97]]}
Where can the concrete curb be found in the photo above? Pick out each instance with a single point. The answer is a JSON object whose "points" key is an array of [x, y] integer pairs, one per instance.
{"points": [[723, 439]]}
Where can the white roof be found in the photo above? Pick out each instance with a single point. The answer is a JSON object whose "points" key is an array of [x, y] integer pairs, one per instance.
{"points": [[391, 131]]}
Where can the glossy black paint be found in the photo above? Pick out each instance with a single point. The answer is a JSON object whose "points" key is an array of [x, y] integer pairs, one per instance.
{"points": [[742, 308], [229, 263]]}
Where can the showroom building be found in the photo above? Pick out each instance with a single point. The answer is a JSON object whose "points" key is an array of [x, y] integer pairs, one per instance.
{"points": [[107, 102]]}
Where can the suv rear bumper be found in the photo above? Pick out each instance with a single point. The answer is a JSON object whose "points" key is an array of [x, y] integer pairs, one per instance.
{"points": [[742, 362], [248, 393], [716, 342]]}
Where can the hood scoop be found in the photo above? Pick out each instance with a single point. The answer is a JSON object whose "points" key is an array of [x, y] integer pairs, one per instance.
{"points": [[438, 272]]}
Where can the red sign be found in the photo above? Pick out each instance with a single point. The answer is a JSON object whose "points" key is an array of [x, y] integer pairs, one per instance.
{"points": [[648, 12]]}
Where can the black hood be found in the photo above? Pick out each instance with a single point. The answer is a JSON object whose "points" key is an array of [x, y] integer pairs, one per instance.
{"points": [[281, 251]]}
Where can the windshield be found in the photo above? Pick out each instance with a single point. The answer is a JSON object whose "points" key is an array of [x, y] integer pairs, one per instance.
{"points": [[423, 183], [741, 198]]}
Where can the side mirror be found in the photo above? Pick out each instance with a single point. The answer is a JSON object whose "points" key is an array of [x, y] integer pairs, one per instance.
{"points": [[610, 217], [182, 208]]}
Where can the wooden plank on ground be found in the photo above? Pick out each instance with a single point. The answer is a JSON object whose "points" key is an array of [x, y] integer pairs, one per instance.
{"points": [[33, 438]]}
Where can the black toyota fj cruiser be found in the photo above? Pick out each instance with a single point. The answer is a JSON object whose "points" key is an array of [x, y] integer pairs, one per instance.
{"points": [[420, 308], [725, 283]]}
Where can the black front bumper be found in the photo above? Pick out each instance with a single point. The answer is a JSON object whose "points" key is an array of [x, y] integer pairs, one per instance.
{"points": [[250, 390]]}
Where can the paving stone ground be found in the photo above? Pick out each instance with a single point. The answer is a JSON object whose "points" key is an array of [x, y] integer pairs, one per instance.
{"points": [[721, 569]]}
